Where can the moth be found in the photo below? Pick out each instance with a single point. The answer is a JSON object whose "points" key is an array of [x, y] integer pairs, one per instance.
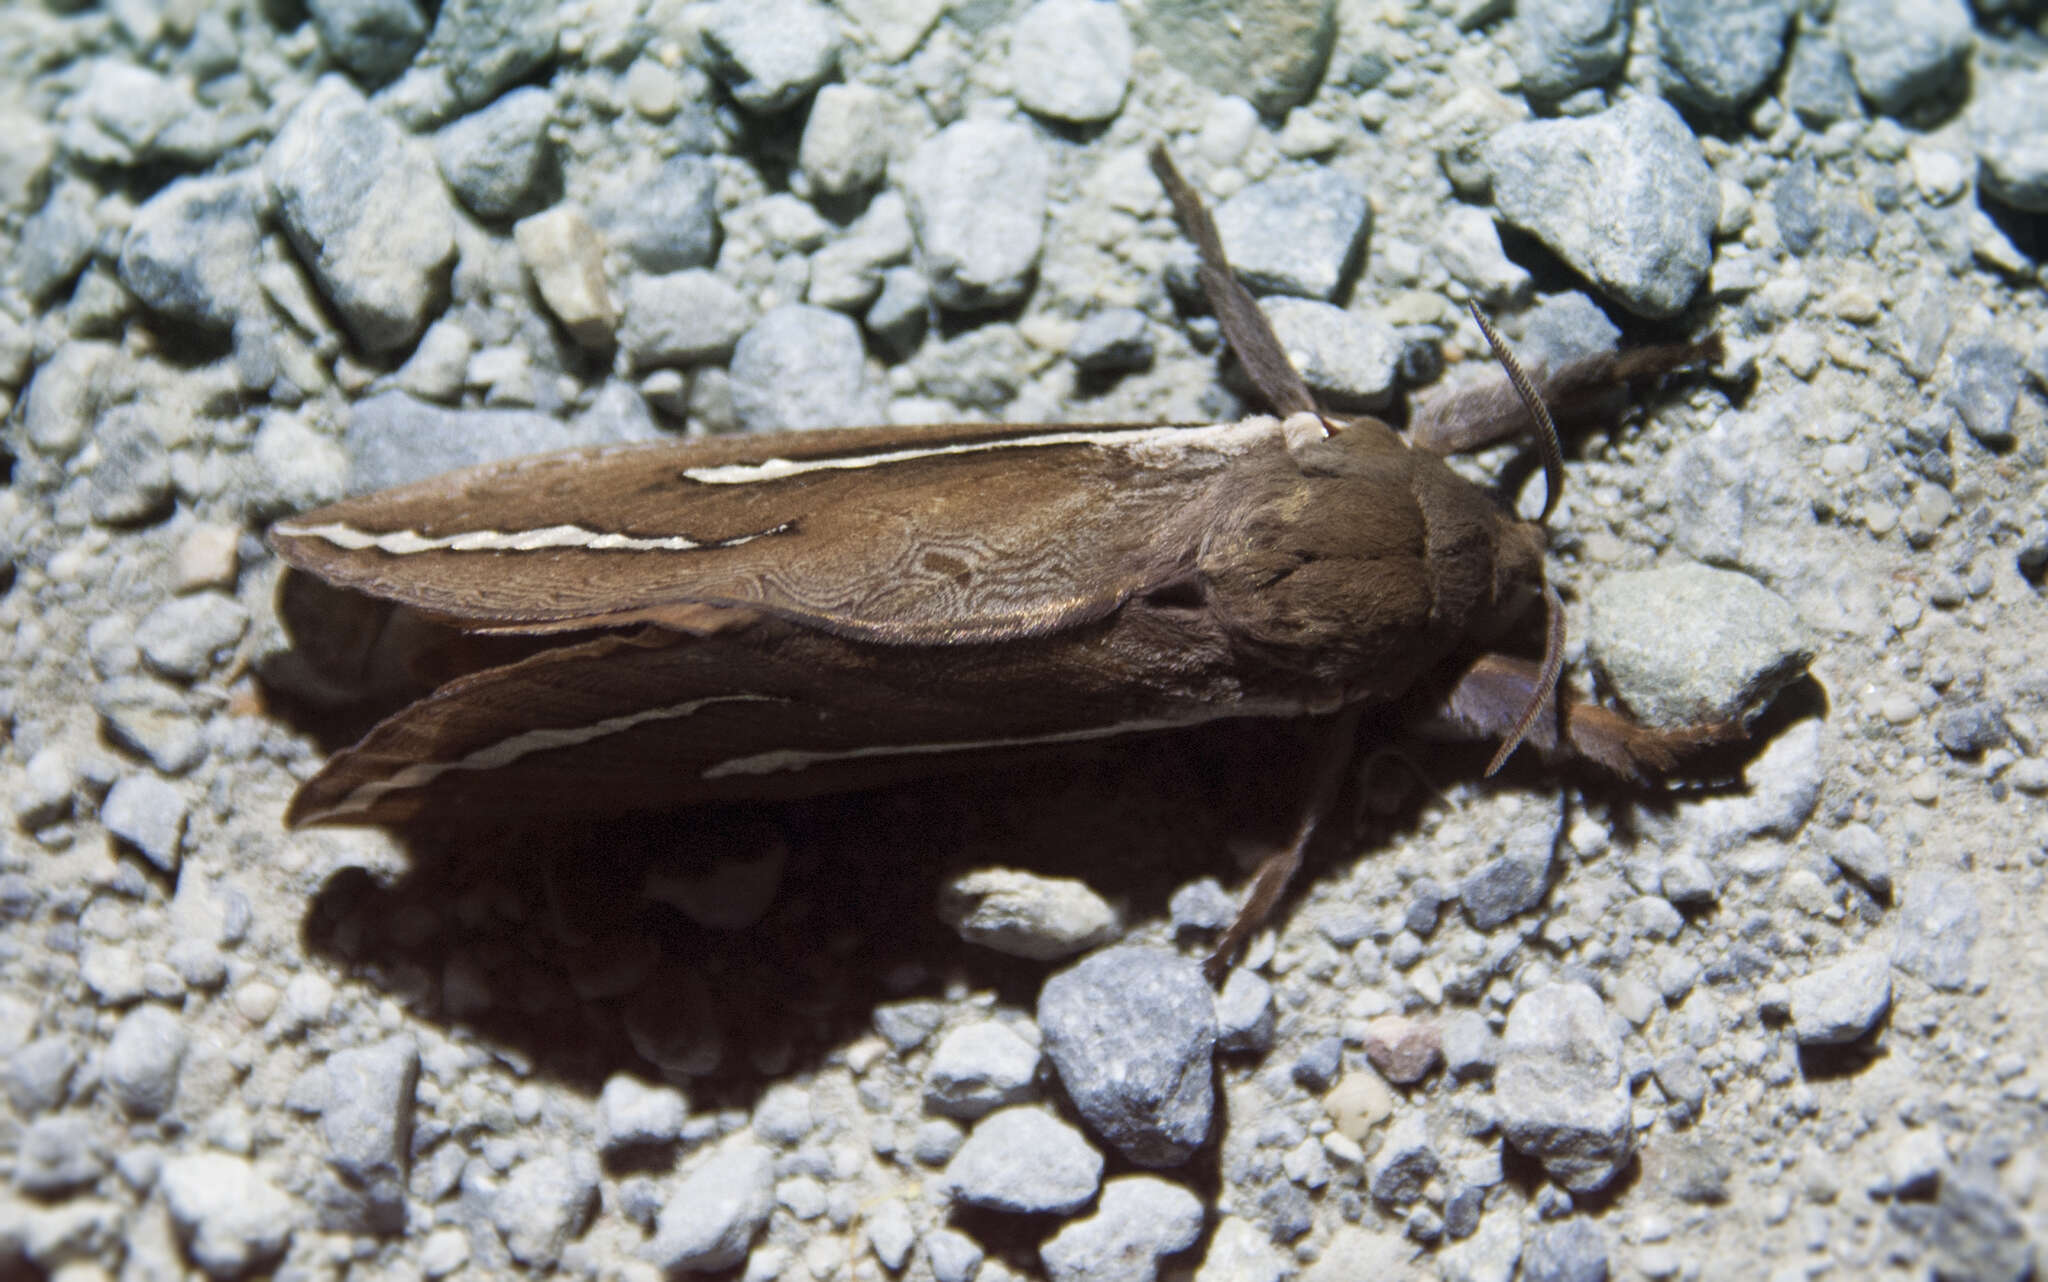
{"points": [[786, 615]]}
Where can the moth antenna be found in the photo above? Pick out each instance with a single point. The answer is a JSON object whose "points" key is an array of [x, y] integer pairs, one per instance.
{"points": [[1245, 327], [1546, 428], [1546, 680]]}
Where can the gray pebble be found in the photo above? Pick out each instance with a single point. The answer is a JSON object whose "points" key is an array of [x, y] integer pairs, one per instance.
{"points": [[1139, 1219], [131, 482], [1025, 1161], [1244, 1013], [710, 1220], [1842, 1001], [1970, 727], [1977, 1234], [366, 1118], [978, 1068], [1818, 85], [393, 438], [38, 1075], [890, 1233], [1302, 235], [148, 814], [1131, 1032], [1405, 1163], [1902, 51], [56, 241], [543, 1204], [954, 1256], [232, 1218], [1860, 852], [632, 1114], [1316, 1068], [901, 311], [845, 144], [185, 637], [20, 898], [1572, 1251], [977, 197], [1471, 1051], [497, 160], [1468, 245], [1563, 46], [366, 212], [2005, 122], [785, 1114], [771, 53], [1795, 202], [142, 1060], [905, 1025], [1071, 60], [666, 222], [1921, 443], [1026, 915], [65, 394], [681, 318], [376, 39], [49, 781], [1692, 644], [188, 250], [1688, 880], [1723, 53], [1938, 923], [1988, 376], [802, 367], [487, 46], [1682, 1080], [1348, 359], [1625, 197], [1271, 52], [846, 275], [56, 1155], [126, 114], [1112, 341], [1562, 1095], [936, 1141], [1202, 905], [1502, 889]]}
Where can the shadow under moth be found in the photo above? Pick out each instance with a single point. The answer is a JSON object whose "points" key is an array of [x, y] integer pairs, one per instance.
{"points": [[786, 615]]}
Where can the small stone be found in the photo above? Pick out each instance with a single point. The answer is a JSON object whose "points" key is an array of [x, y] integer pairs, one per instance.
{"points": [[954, 1256], [1818, 85], [1302, 235], [126, 114], [1139, 1219], [38, 1075], [1563, 46], [2005, 116], [785, 1115], [44, 794], [1572, 1251], [710, 1220], [233, 1219], [1562, 1095], [901, 311], [978, 1068], [633, 1115], [58, 1155], [1970, 728], [846, 275], [906, 1025], [376, 39], [1244, 1013], [802, 367], [545, 1203], [1988, 376], [443, 1252], [1273, 53], [682, 318], [1502, 889], [1405, 1163], [935, 1142], [393, 438], [1025, 1161], [845, 144], [1318, 1065], [1071, 60], [366, 1119], [142, 1060], [771, 53], [1349, 360], [1470, 1048], [188, 250], [1691, 644], [1977, 1234], [487, 46], [148, 814], [566, 257], [1468, 245], [1902, 51], [1939, 919], [131, 482], [1239, 1251], [1722, 53], [209, 556], [150, 718], [1404, 1050], [666, 222], [1112, 341], [1131, 1032], [497, 160], [1625, 197], [1026, 915], [977, 196], [1841, 1002], [184, 638], [365, 211]]}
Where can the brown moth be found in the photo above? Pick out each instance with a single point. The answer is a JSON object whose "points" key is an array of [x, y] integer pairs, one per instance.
{"points": [[787, 615]]}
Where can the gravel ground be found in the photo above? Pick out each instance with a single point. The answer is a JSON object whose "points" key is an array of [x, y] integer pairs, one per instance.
{"points": [[1782, 1019]]}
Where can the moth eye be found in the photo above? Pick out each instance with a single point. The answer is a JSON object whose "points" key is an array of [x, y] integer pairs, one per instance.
{"points": [[947, 566]]}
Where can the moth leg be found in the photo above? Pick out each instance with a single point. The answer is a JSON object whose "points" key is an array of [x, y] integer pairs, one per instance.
{"points": [[1245, 327], [1495, 690], [1488, 411], [1276, 870]]}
